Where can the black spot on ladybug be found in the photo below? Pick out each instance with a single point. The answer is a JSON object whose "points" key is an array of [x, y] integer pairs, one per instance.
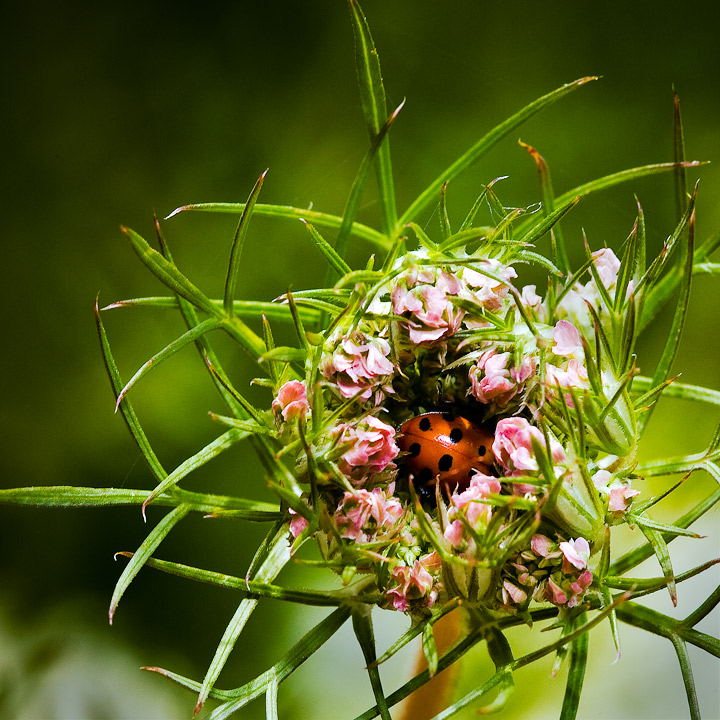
{"points": [[424, 424], [481, 451], [448, 416], [445, 463], [456, 435], [414, 450], [425, 475]]}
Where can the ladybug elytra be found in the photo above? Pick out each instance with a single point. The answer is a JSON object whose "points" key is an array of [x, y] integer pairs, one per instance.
{"points": [[446, 447]]}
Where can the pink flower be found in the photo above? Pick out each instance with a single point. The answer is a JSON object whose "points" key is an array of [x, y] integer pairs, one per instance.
{"points": [[576, 553], [554, 593], [493, 382], [432, 314], [567, 340], [619, 492], [359, 363], [362, 513], [607, 266], [542, 545], [512, 592], [470, 502], [372, 448], [297, 524], [485, 290], [416, 583], [620, 497], [291, 400], [513, 447]]}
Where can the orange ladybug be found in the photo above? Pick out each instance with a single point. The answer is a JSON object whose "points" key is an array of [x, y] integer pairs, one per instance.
{"points": [[446, 447]]}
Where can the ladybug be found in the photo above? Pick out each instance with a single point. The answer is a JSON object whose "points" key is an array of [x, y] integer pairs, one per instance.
{"points": [[446, 447]]}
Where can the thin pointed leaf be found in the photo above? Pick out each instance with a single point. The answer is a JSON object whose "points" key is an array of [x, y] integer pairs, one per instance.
{"points": [[687, 676], [209, 452], [681, 194], [661, 527], [560, 254], [237, 246], [274, 562], [176, 345], [672, 342], [576, 675], [128, 413], [143, 553], [362, 624], [333, 259], [680, 390], [242, 308], [372, 95], [168, 274], [248, 588], [285, 211], [486, 143], [279, 672], [353, 201], [660, 549]]}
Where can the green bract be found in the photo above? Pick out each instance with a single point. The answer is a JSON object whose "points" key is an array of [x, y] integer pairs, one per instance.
{"points": [[439, 321]]}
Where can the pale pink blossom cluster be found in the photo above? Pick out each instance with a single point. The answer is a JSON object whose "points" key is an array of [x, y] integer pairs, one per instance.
{"points": [[567, 585], [372, 446], [513, 448], [417, 586], [291, 401], [574, 303], [568, 370], [547, 570], [359, 365], [618, 492], [362, 513], [495, 379], [485, 290], [424, 296], [476, 513]]}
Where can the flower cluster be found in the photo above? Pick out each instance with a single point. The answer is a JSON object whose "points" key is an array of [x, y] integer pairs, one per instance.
{"points": [[453, 331]]}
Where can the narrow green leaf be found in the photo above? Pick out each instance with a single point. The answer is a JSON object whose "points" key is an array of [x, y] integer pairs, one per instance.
{"points": [[209, 452], [681, 193], [242, 308], [429, 648], [284, 354], [680, 390], [482, 146], [143, 553], [333, 259], [559, 252], [362, 624], [687, 676], [539, 228], [353, 201], [636, 556], [248, 588], [660, 549], [372, 95], [279, 672], [661, 527], [126, 409], [576, 675], [275, 560], [185, 339], [672, 343], [271, 697], [168, 274], [285, 211], [237, 246]]}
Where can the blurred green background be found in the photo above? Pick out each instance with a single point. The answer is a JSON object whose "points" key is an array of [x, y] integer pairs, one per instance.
{"points": [[114, 111]]}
